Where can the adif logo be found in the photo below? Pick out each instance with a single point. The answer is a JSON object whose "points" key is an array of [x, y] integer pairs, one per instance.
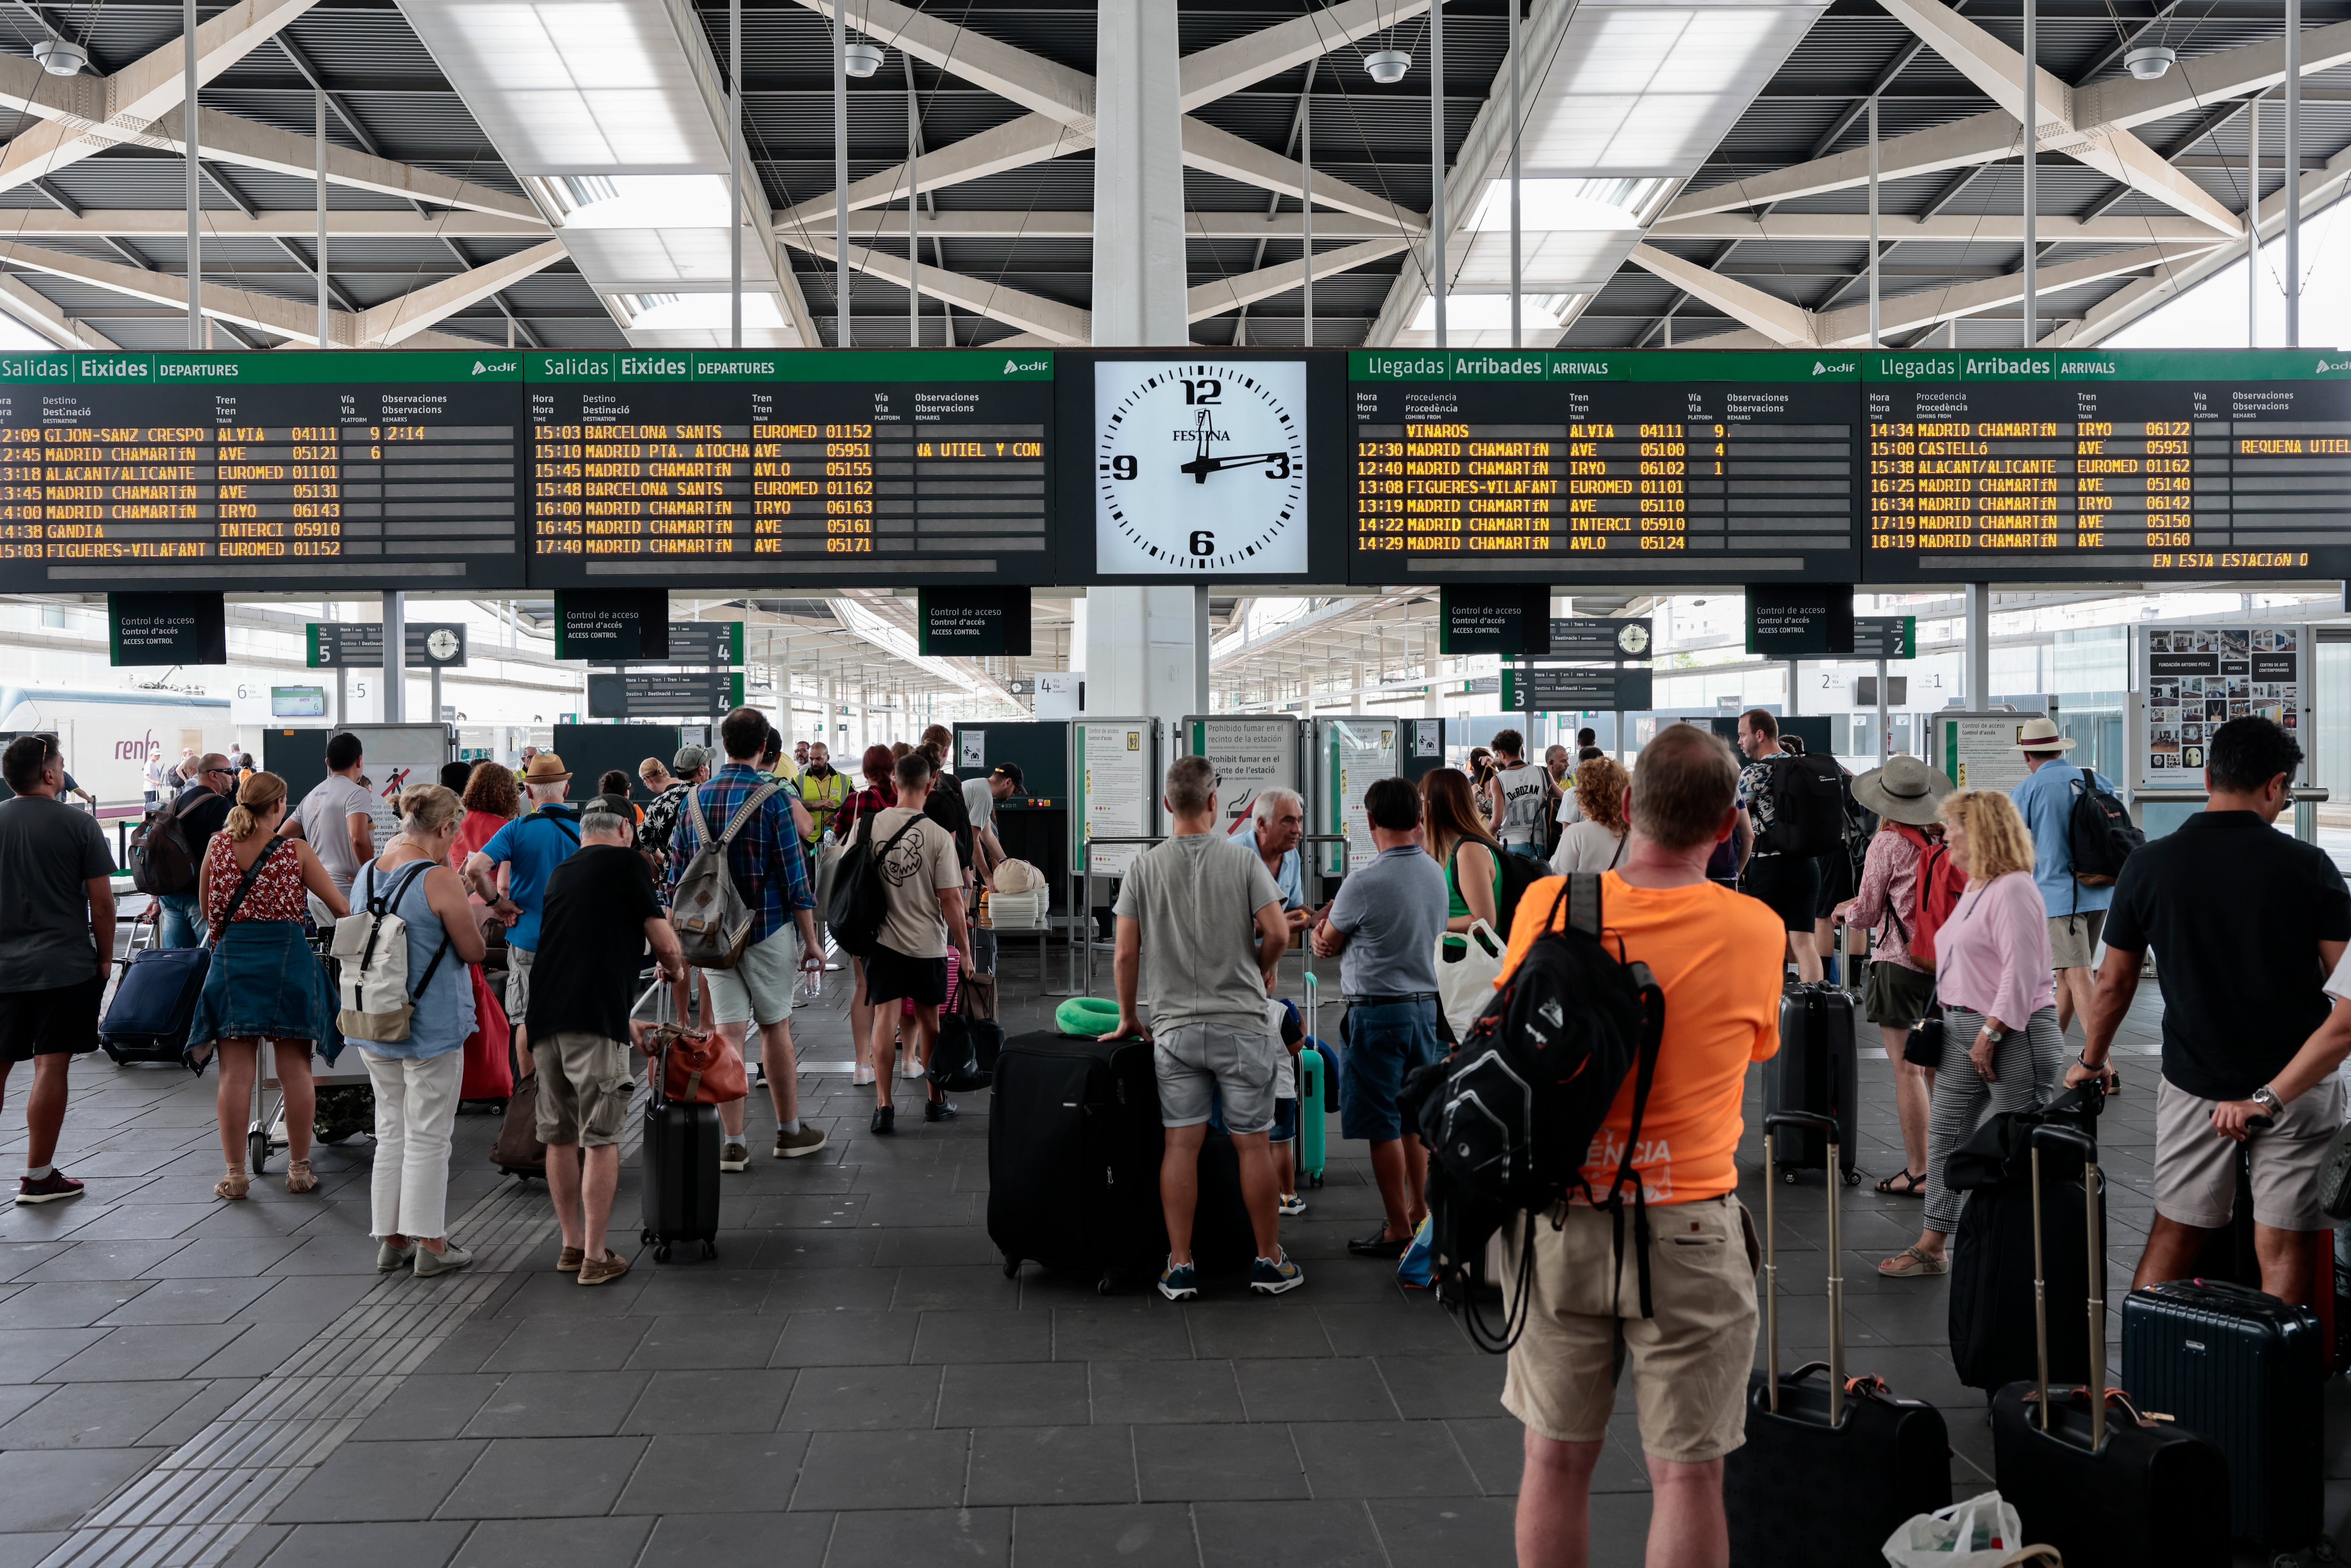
{"points": [[482, 370], [1014, 367], [2325, 369], [1820, 368]]}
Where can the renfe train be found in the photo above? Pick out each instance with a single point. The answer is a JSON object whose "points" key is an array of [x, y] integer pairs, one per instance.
{"points": [[108, 737]]}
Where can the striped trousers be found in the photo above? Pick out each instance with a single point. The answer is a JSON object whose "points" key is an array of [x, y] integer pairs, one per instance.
{"points": [[2029, 1066]]}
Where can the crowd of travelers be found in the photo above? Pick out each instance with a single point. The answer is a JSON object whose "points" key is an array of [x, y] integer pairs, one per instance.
{"points": [[1977, 909]]}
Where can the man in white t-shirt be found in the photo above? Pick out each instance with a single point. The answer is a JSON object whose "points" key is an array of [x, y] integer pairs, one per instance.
{"points": [[1518, 797], [979, 798], [337, 816]]}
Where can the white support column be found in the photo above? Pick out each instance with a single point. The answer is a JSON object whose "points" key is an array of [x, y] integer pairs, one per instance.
{"points": [[326, 305], [735, 173], [2032, 132], [2253, 222], [914, 208], [1515, 123], [395, 651], [841, 178], [2293, 173], [1977, 694], [1306, 203], [1874, 341], [195, 195], [1436, 223]]}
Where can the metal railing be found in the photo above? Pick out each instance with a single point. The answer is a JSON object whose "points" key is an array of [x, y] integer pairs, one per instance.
{"points": [[1085, 911]]}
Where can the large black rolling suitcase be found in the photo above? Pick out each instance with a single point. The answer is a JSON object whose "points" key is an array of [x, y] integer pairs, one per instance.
{"points": [[1814, 1072], [1830, 1469], [681, 1172], [2106, 1493], [2248, 1370], [1994, 1341], [155, 1000]]}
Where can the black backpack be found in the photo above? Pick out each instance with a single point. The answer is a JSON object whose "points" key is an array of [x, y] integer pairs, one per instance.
{"points": [[1518, 873], [161, 859], [2100, 833], [1808, 815], [1509, 1117], [861, 900]]}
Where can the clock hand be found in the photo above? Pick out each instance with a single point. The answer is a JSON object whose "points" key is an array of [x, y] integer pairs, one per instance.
{"points": [[1238, 460], [1202, 464]]}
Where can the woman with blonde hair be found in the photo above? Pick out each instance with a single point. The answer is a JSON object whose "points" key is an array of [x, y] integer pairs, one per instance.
{"points": [[1455, 837], [1595, 840], [265, 983], [2002, 1046], [416, 1079]]}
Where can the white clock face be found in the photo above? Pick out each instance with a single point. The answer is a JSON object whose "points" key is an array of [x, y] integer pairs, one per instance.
{"points": [[441, 644], [1634, 639], [1199, 466]]}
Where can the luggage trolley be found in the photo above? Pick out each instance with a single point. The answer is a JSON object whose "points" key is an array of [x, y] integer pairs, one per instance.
{"points": [[265, 1127]]}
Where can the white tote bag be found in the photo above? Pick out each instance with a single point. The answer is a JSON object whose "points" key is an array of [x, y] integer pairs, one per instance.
{"points": [[1980, 1532], [1467, 964]]}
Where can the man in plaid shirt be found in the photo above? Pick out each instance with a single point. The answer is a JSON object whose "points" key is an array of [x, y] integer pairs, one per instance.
{"points": [[772, 873]]}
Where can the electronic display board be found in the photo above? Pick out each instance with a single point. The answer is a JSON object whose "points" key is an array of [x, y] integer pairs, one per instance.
{"points": [[837, 468], [2101, 465], [1666, 467], [257, 471]]}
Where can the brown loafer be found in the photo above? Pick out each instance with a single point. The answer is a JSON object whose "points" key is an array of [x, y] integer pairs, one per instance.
{"points": [[568, 1260], [603, 1270]]}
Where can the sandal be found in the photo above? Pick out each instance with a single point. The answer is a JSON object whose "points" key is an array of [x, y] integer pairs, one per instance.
{"points": [[299, 1177], [232, 1186], [1910, 1262], [1908, 1184]]}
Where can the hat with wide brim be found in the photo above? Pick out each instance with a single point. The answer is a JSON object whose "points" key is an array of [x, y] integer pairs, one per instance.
{"points": [[1904, 790], [2039, 733], [546, 769]]}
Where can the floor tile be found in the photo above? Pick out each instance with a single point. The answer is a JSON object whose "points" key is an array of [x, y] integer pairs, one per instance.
{"points": [[128, 1355], [1428, 1387], [691, 1540], [691, 1339], [554, 1543], [557, 1405], [1326, 1389], [1292, 1536], [192, 1300], [1014, 1394], [568, 1344], [862, 1398], [899, 1470], [49, 1488], [1162, 1391], [964, 1338], [416, 1544], [896, 1537], [1382, 1459], [735, 1400], [97, 1416], [71, 1303], [1154, 1332], [709, 1472], [1228, 1461], [360, 1481], [545, 1477], [1132, 1535], [846, 1338], [1043, 1464]]}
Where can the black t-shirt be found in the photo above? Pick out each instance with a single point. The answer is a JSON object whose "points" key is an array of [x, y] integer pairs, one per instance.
{"points": [[591, 943], [945, 806], [207, 810], [2234, 910]]}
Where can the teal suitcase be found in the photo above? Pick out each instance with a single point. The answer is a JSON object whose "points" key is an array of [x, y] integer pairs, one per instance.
{"points": [[1313, 1121]]}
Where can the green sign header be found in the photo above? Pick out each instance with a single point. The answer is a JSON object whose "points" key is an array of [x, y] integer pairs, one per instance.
{"points": [[792, 365], [364, 367], [2094, 365], [1604, 365]]}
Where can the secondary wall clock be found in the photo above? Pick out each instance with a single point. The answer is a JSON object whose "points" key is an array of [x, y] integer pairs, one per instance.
{"points": [[1200, 467]]}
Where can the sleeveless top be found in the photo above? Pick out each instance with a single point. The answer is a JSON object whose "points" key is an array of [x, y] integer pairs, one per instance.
{"points": [[1456, 906], [445, 1009], [1523, 790], [276, 892]]}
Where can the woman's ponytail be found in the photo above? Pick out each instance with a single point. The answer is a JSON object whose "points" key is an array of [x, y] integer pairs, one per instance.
{"points": [[255, 797]]}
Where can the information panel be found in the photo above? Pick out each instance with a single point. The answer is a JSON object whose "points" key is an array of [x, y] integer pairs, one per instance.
{"points": [[1664, 468], [314, 472], [2099, 465], [848, 468]]}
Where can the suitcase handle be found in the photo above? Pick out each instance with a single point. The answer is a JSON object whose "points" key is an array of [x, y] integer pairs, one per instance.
{"points": [[1815, 1122], [2084, 1145]]}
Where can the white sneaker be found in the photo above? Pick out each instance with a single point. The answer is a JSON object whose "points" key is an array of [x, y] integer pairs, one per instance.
{"points": [[910, 1068], [862, 1075]]}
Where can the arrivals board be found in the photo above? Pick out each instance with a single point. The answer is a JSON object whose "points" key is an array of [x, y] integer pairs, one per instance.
{"points": [[302, 471], [1670, 468], [2100, 466], [822, 469]]}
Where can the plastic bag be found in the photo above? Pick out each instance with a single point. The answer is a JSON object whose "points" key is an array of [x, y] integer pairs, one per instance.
{"points": [[1414, 1268], [1980, 1531]]}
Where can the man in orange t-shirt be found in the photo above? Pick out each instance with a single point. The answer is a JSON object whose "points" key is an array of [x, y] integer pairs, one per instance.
{"points": [[1716, 954]]}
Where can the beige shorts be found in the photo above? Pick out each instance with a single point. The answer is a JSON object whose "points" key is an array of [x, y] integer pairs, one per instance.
{"points": [[518, 986], [2196, 1168], [2074, 938], [758, 989], [1689, 1360], [584, 1088]]}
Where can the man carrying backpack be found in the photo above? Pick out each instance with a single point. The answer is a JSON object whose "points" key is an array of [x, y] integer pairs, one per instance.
{"points": [[1784, 874], [2048, 800], [195, 815], [1715, 955]]}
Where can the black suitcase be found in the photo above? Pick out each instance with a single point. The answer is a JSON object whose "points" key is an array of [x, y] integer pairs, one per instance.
{"points": [[2106, 1493], [1814, 1072], [2248, 1370], [1073, 1148], [1994, 1342], [155, 998], [1828, 1471], [681, 1172]]}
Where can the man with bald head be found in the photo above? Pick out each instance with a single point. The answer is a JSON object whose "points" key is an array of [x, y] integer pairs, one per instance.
{"points": [[202, 805]]}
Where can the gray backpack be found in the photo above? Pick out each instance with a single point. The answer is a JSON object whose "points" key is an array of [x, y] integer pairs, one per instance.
{"points": [[713, 922]]}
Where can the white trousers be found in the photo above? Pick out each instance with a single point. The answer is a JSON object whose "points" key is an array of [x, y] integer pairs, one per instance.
{"points": [[415, 1117]]}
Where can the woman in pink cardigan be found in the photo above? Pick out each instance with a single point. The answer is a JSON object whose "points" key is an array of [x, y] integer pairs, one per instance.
{"points": [[2002, 1046]]}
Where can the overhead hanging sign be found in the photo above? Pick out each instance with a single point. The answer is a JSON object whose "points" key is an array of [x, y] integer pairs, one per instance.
{"points": [[1801, 620], [429, 644], [1576, 691], [664, 693], [1512, 621], [703, 642], [167, 629], [973, 623], [1886, 636], [611, 626], [1601, 639]]}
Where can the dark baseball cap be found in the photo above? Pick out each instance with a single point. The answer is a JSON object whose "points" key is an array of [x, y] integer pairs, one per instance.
{"points": [[1011, 770]]}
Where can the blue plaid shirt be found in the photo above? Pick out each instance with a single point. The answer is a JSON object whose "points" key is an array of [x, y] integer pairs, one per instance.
{"points": [[770, 871]]}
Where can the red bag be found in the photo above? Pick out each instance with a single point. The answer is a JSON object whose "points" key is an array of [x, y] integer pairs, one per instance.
{"points": [[1939, 887], [697, 1068], [489, 1061]]}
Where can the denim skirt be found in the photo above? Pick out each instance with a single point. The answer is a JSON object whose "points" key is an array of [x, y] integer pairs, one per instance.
{"points": [[265, 980]]}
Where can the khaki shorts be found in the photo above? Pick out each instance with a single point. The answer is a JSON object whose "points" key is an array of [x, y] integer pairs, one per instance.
{"points": [[1689, 1360], [2196, 1168], [584, 1088], [2074, 938], [758, 989], [518, 986]]}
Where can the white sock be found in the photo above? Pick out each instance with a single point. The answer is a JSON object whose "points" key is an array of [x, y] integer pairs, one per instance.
{"points": [[38, 1173], [791, 1126]]}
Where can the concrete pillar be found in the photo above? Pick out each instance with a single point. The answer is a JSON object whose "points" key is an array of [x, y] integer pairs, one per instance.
{"points": [[395, 649], [1978, 689]]}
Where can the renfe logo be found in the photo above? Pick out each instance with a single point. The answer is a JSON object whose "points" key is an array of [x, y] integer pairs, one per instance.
{"points": [[136, 750]]}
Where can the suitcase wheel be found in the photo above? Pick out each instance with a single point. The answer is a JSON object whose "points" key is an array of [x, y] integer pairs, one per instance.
{"points": [[1316, 1179], [1011, 1266], [1788, 1176], [661, 1253], [1103, 1286], [645, 1237], [1853, 1178], [709, 1251], [114, 1055], [257, 1150]]}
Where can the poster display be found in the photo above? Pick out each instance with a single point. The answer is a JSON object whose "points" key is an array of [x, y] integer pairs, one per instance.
{"points": [[1249, 755], [1352, 754], [1115, 794], [2194, 679], [1977, 751]]}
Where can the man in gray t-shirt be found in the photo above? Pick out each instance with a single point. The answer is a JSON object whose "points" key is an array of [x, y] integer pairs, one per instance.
{"points": [[1384, 928], [337, 816], [1184, 911]]}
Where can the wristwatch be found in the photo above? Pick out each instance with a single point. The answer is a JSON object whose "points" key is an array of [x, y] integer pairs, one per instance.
{"points": [[1998, 1034], [2266, 1098]]}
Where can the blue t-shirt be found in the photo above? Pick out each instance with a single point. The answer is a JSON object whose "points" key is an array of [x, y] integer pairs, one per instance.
{"points": [[1291, 879], [2045, 801], [532, 847], [1393, 911]]}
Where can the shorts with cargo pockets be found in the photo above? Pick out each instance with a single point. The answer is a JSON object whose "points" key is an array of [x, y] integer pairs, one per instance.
{"points": [[584, 1086], [2196, 1168], [1201, 1063]]}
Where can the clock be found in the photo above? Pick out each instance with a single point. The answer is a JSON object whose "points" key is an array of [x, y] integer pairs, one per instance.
{"points": [[441, 645], [1633, 640], [1200, 468]]}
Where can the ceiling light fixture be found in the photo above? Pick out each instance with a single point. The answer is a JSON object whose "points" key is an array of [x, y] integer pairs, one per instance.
{"points": [[2150, 62], [61, 57], [1387, 66], [861, 59]]}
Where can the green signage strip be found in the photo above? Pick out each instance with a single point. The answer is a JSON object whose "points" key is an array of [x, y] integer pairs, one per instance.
{"points": [[366, 367], [1554, 365], [894, 365], [2206, 366]]}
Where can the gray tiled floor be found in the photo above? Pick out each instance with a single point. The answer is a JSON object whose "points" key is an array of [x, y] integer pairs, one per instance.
{"points": [[854, 1381]]}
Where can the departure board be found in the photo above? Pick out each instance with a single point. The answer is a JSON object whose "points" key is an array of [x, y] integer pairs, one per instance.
{"points": [[856, 468], [1666, 467], [2117, 465], [300, 471]]}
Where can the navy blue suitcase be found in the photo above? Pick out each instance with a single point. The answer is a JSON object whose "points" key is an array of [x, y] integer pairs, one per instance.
{"points": [[154, 1004]]}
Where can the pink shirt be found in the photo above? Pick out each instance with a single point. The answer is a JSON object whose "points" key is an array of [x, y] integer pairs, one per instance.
{"points": [[1992, 955], [1889, 895]]}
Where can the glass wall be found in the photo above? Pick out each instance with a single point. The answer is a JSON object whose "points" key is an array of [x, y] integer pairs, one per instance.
{"points": [[2091, 676]]}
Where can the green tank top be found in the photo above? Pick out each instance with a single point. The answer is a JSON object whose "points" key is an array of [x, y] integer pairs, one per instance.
{"points": [[1456, 906]]}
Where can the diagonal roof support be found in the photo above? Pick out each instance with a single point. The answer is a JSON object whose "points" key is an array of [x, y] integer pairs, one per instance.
{"points": [[1068, 325], [1848, 328], [1206, 300], [31, 307], [1224, 70], [395, 321], [1788, 324]]}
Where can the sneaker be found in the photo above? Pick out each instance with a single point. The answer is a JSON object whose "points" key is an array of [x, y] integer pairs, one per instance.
{"points": [[861, 1076], [792, 1145], [48, 1189], [939, 1110], [735, 1157], [603, 1271], [450, 1257], [1291, 1206], [1271, 1276], [388, 1256], [885, 1120], [908, 1067], [1180, 1282]]}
